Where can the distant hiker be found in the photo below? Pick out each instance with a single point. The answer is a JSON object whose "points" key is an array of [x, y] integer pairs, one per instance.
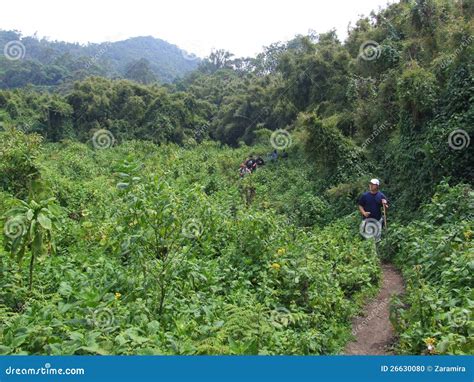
{"points": [[254, 165], [370, 206], [274, 155], [251, 163], [243, 169]]}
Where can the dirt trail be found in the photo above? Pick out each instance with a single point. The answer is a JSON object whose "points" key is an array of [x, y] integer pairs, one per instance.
{"points": [[373, 330]]}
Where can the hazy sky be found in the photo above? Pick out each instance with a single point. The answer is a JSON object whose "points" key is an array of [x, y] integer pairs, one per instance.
{"points": [[242, 26]]}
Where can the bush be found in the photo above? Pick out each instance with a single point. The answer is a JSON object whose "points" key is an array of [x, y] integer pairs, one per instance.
{"points": [[18, 154], [435, 254]]}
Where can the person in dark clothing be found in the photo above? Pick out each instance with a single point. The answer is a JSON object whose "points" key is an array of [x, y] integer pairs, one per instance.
{"points": [[371, 202], [274, 155], [249, 162], [254, 165]]}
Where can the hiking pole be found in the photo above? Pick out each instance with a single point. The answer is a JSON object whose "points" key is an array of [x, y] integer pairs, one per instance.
{"points": [[385, 216]]}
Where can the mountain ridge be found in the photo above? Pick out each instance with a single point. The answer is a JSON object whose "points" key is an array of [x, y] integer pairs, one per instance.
{"points": [[45, 63]]}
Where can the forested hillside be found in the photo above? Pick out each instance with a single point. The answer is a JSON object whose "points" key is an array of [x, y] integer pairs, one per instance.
{"points": [[54, 65], [128, 230]]}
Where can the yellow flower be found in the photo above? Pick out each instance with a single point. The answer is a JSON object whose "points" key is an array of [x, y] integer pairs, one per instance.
{"points": [[430, 344], [276, 266], [117, 295], [281, 251], [429, 341]]}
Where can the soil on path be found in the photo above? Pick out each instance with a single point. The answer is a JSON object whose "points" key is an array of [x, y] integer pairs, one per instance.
{"points": [[373, 330]]}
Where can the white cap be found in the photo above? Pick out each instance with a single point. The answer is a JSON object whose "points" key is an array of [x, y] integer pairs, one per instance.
{"points": [[375, 181]]}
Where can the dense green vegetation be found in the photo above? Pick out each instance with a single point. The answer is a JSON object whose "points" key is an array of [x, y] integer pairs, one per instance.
{"points": [[128, 231], [436, 256], [157, 251]]}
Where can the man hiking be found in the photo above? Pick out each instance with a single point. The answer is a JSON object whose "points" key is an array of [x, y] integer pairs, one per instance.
{"points": [[251, 163], [370, 206]]}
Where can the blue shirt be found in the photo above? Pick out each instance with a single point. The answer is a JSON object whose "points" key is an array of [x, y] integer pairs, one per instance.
{"points": [[372, 203]]}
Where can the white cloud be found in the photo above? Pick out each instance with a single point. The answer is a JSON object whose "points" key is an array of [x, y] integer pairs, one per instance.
{"points": [[242, 26]]}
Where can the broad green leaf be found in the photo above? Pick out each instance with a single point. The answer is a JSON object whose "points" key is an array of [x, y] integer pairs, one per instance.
{"points": [[44, 221], [19, 340], [30, 214], [37, 245], [76, 336]]}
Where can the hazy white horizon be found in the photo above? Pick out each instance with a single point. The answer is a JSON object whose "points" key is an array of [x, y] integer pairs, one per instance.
{"points": [[242, 27]]}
